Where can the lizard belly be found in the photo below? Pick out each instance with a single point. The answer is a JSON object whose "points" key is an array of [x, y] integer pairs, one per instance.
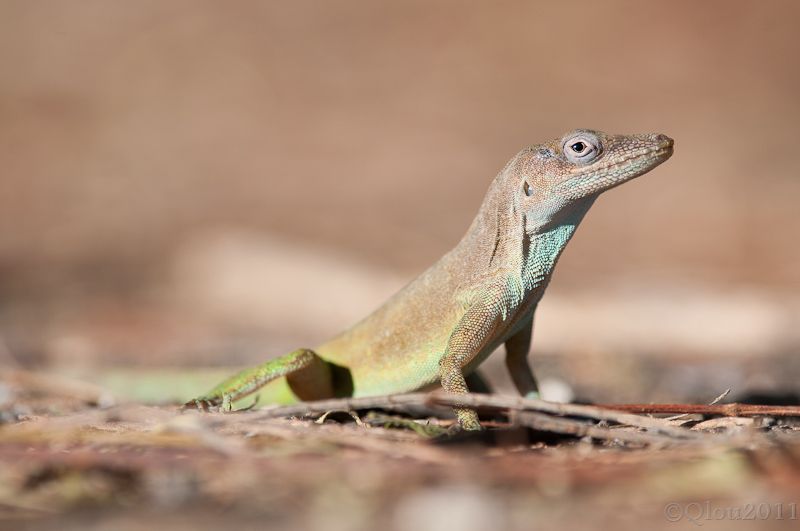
{"points": [[397, 349], [377, 371]]}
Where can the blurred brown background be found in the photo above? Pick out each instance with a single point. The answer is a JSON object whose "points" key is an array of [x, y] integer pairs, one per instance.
{"points": [[205, 183]]}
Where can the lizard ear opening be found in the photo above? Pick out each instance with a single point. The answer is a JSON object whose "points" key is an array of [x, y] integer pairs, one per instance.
{"points": [[527, 188]]}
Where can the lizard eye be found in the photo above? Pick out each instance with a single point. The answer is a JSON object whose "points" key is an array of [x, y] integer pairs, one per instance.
{"points": [[528, 189], [578, 147], [582, 148]]}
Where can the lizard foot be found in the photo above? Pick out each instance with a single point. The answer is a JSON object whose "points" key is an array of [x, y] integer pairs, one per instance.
{"points": [[458, 428], [216, 404], [468, 419], [471, 426]]}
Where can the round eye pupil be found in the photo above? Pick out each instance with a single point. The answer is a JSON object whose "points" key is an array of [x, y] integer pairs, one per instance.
{"points": [[527, 189], [581, 148]]}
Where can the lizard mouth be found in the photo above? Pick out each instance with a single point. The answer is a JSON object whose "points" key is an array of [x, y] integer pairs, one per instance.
{"points": [[656, 154], [618, 171]]}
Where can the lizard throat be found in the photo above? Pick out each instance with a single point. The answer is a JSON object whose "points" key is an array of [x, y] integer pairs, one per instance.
{"points": [[542, 249]]}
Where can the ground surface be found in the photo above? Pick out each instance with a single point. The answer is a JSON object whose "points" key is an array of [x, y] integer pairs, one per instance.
{"points": [[69, 462]]}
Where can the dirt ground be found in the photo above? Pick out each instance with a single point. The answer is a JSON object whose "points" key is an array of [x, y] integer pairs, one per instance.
{"points": [[71, 461]]}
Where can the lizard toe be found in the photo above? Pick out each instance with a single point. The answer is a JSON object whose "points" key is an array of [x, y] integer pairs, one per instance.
{"points": [[202, 404]]}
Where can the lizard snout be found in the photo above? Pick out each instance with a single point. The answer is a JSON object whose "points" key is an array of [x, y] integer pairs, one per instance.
{"points": [[663, 140]]}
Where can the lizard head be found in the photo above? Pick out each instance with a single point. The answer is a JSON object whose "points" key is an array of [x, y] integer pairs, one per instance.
{"points": [[551, 177]]}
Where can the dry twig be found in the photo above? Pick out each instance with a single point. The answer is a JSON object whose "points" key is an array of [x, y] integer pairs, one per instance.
{"points": [[496, 402], [549, 423], [726, 410], [573, 410]]}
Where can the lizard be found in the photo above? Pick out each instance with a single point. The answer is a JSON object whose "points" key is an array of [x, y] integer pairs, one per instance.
{"points": [[481, 294]]}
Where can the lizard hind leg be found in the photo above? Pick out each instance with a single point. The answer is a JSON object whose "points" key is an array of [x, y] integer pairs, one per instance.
{"points": [[309, 376]]}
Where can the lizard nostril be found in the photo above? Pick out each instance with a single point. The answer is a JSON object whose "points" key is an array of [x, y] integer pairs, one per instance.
{"points": [[664, 140]]}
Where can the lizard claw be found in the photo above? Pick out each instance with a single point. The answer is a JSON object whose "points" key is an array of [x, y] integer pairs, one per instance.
{"points": [[202, 404]]}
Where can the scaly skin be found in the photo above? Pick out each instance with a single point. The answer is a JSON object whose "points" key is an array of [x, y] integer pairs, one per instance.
{"points": [[481, 294]]}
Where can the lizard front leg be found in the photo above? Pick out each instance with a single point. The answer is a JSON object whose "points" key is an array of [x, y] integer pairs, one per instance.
{"points": [[469, 337], [517, 347]]}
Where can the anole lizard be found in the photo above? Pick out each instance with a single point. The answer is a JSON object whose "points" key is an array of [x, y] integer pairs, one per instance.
{"points": [[481, 294]]}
